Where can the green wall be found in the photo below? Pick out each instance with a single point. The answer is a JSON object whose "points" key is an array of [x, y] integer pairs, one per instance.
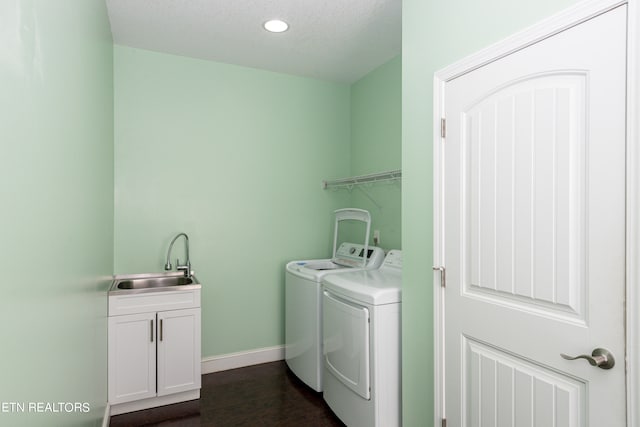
{"points": [[434, 35], [56, 186], [234, 157], [376, 120]]}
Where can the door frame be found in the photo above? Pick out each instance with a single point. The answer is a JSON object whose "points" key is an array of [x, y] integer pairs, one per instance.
{"points": [[561, 21]]}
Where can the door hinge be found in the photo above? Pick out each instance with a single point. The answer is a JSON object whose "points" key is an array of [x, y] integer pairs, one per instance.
{"points": [[443, 127], [444, 422], [443, 276]]}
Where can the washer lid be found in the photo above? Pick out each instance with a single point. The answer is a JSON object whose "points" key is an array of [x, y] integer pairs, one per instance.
{"points": [[375, 287]]}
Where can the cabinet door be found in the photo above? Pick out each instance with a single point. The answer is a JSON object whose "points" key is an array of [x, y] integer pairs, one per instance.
{"points": [[178, 351], [132, 357]]}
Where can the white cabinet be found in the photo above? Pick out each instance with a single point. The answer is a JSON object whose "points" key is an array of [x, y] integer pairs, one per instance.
{"points": [[154, 349]]}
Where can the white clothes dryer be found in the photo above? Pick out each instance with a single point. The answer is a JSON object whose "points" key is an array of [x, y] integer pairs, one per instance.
{"points": [[362, 344], [303, 298]]}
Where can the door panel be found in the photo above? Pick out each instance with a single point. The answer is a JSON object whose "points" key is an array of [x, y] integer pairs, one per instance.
{"points": [[504, 390], [534, 226], [179, 353], [346, 343], [132, 357], [525, 147]]}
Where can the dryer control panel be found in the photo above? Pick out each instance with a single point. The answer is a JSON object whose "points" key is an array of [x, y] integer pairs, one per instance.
{"points": [[352, 255], [393, 259]]}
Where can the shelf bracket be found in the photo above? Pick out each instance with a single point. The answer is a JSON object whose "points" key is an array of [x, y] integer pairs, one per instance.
{"points": [[366, 193]]}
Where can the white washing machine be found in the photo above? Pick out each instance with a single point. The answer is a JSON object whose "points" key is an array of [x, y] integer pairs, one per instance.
{"points": [[362, 344], [303, 298]]}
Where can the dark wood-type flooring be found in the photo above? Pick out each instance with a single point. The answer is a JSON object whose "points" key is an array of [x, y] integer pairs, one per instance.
{"points": [[261, 396]]}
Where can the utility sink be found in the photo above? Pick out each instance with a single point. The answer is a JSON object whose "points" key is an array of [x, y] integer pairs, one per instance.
{"points": [[151, 282]]}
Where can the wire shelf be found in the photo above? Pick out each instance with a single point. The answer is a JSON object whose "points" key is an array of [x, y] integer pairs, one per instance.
{"points": [[394, 175]]}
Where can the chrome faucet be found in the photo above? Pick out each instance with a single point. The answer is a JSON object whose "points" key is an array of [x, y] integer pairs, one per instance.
{"points": [[186, 267]]}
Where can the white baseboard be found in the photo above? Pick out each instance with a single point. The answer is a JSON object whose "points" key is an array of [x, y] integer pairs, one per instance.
{"points": [[107, 415], [241, 359]]}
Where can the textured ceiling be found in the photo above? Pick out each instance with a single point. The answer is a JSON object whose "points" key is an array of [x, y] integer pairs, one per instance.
{"points": [[336, 40]]}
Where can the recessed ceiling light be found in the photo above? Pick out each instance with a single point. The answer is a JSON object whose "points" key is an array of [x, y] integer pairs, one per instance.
{"points": [[276, 26]]}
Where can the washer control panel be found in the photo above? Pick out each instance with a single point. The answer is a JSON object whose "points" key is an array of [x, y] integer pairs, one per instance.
{"points": [[352, 255]]}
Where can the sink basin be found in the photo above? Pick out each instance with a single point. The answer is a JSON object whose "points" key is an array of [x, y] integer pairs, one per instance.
{"points": [[153, 282], [150, 282]]}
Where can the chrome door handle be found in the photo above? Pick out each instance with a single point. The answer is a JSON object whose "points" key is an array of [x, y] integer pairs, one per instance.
{"points": [[600, 357]]}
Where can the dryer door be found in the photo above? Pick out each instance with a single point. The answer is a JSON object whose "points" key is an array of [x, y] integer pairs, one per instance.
{"points": [[346, 343]]}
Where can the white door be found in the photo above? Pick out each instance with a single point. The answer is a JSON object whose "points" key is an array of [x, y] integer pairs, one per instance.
{"points": [[132, 357], [179, 352], [534, 232]]}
